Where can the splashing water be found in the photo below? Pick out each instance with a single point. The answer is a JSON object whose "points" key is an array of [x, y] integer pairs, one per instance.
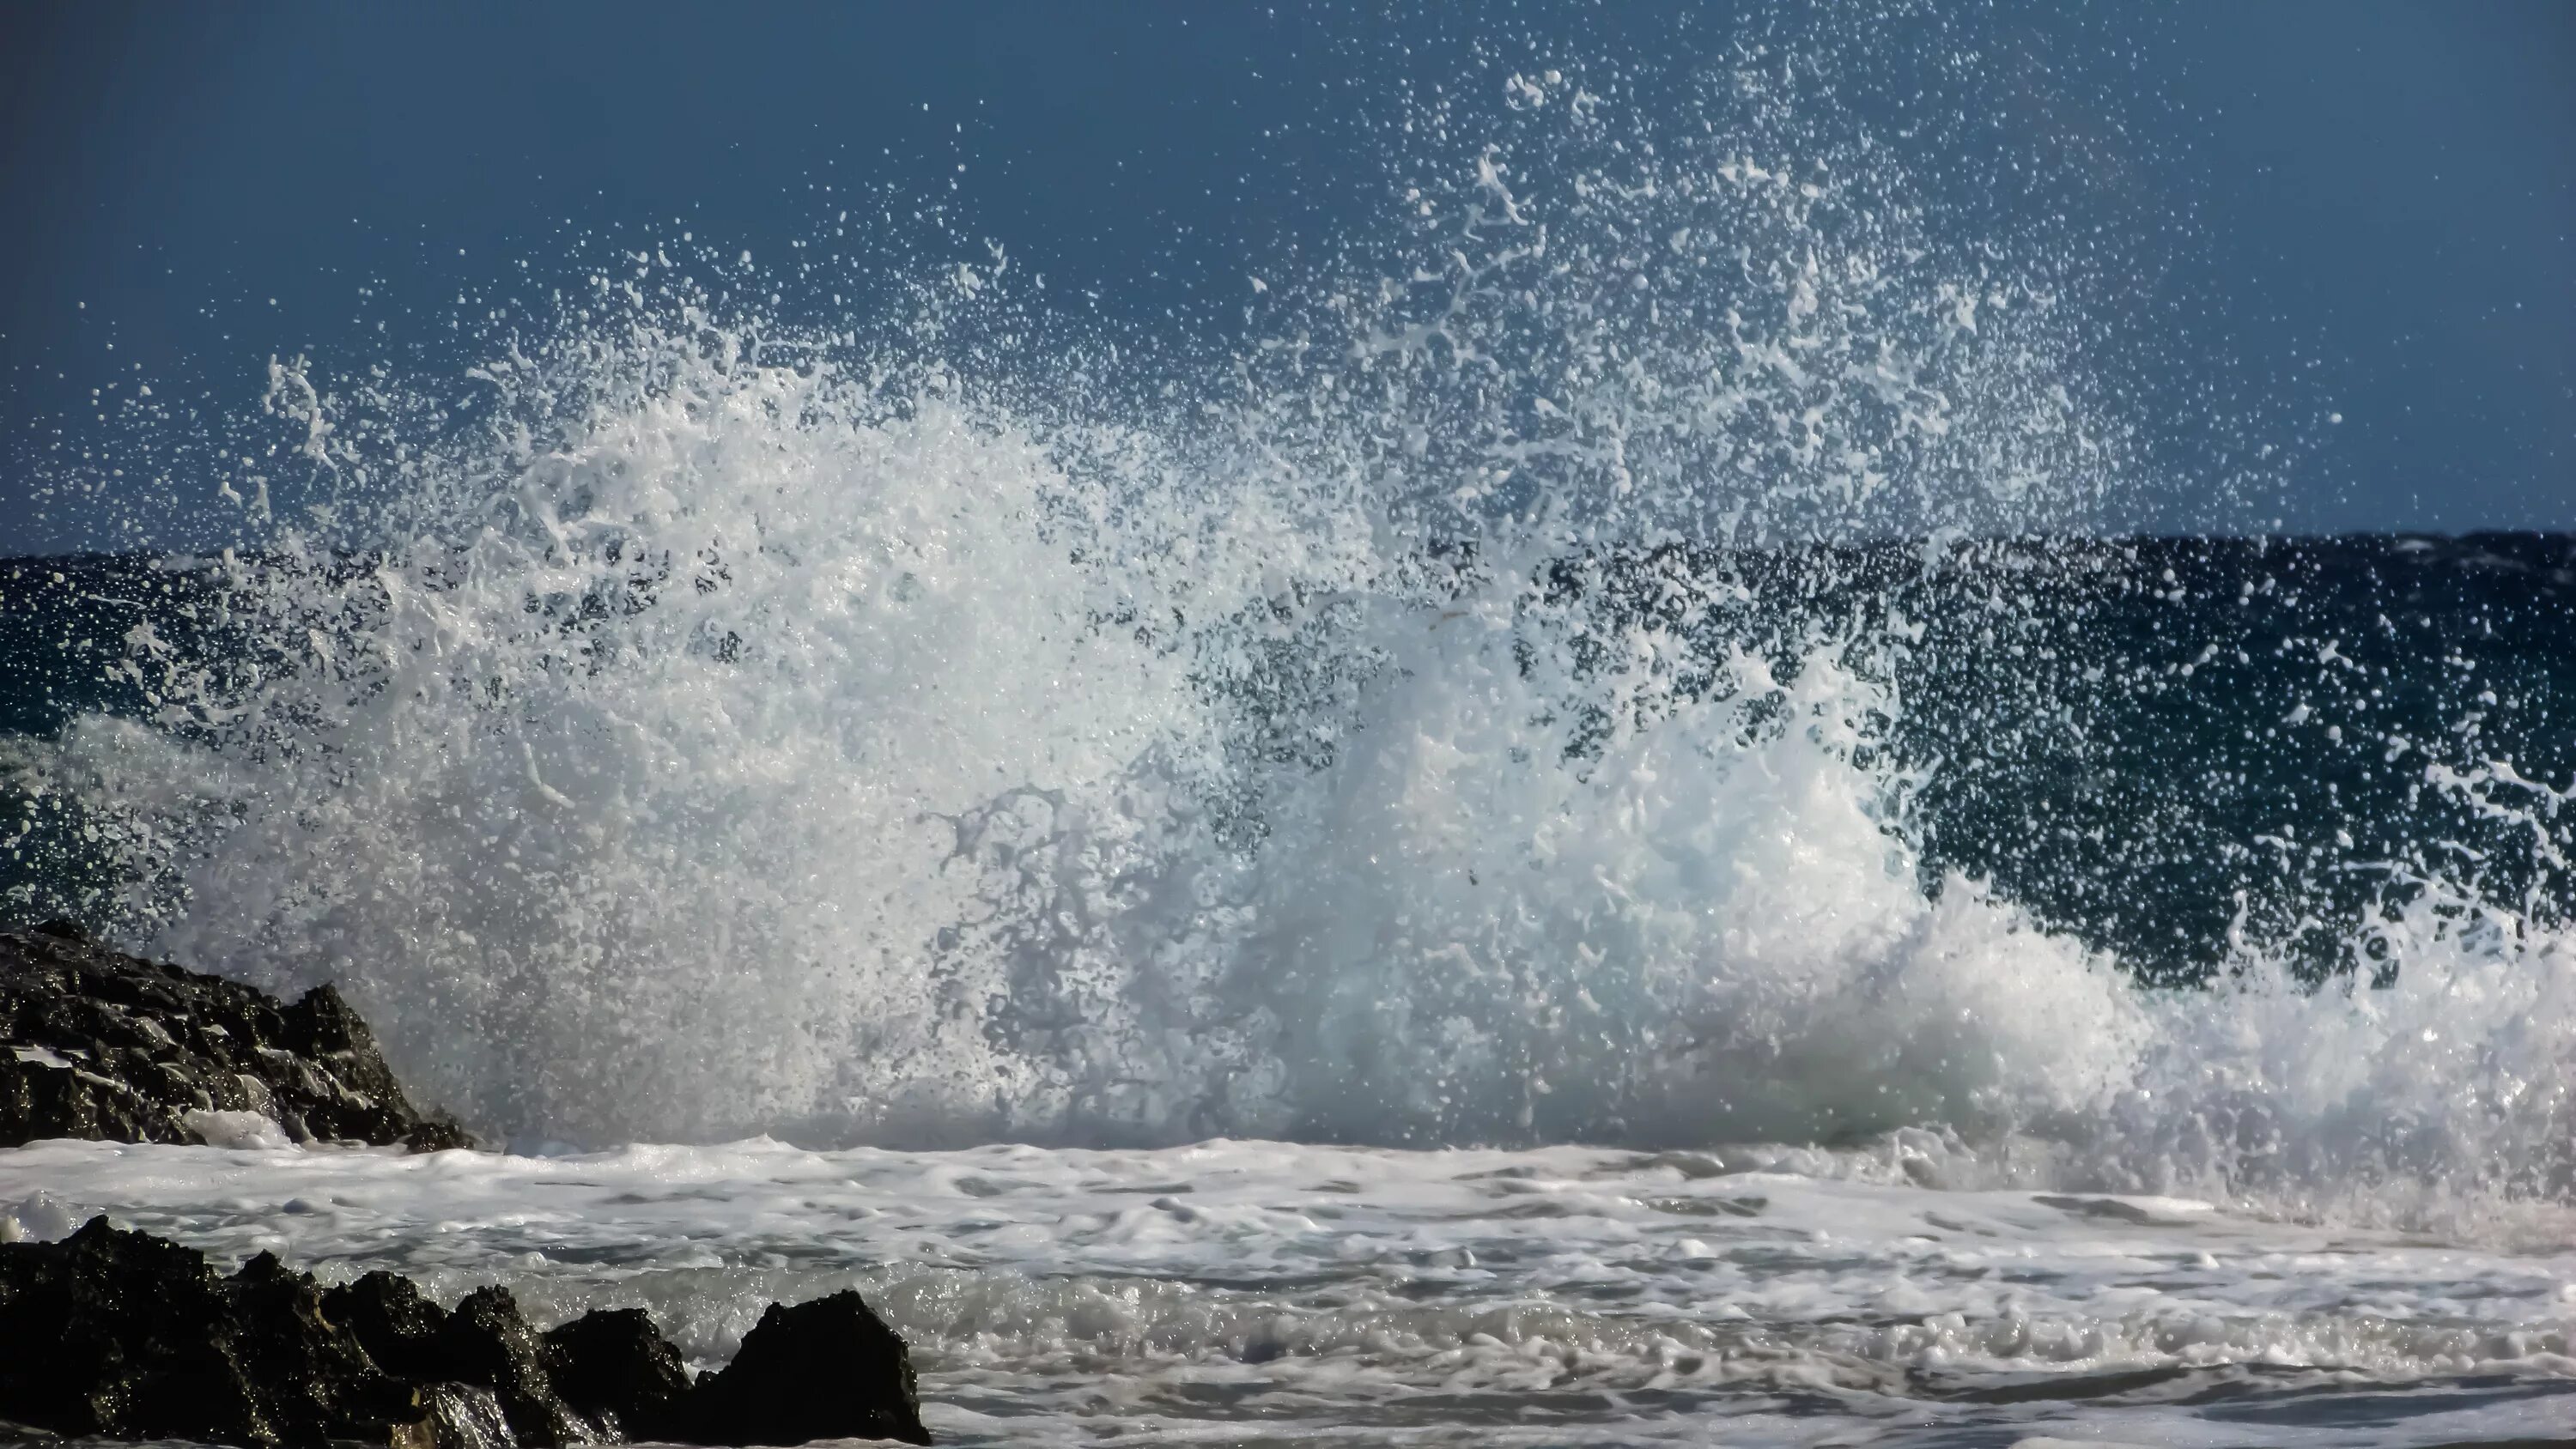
{"points": [[720, 724]]}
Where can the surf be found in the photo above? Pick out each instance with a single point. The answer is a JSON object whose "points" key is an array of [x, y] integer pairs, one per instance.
{"points": [[1454, 717]]}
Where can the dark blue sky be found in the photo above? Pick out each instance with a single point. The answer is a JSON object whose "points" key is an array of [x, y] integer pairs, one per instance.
{"points": [[2381, 197]]}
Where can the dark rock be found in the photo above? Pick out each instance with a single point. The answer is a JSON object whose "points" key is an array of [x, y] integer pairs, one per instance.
{"points": [[483, 1344], [825, 1369], [455, 1416], [120, 1335], [98, 1044], [488, 1343], [398, 1326], [617, 1370]]}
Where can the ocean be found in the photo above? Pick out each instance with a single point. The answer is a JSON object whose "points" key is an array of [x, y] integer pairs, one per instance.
{"points": [[1598, 836]]}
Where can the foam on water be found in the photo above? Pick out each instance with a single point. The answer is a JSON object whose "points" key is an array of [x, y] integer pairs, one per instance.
{"points": [[1346, 1294], [701, 720]]}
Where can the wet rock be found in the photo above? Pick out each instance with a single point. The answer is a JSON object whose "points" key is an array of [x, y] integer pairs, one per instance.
{"points": [[824, 1369], [482, 1344], [488, 1343], [455, 1416], [399, 1326], [98, 1044], [120, 1335], [616, 1369]]}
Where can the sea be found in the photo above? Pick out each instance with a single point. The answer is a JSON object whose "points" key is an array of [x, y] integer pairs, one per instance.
{"points": [[1597, 834]]}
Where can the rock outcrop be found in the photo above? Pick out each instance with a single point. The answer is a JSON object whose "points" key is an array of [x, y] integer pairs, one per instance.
{"points": [[616, 1369], [98, 1044], [766, 1395], [120, 1335]]}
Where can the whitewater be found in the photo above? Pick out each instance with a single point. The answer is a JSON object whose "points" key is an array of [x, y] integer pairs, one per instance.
{"points": [[1386, 885]]}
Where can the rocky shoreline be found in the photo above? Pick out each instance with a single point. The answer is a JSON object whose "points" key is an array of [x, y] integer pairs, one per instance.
{"points": [[120, 1335], [101, 1045]]}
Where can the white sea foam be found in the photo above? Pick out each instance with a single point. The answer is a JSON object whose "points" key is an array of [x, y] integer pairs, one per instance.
{"points": [[712, 717], [701, 721], [1059, 1295]]}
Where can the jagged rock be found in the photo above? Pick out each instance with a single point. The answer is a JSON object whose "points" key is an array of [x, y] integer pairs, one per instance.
{"points": [[490, 1344], [398, 1326], [482, 1344], [120, 1335], [617, 1370], [824, 1369], [98, 1044], [455, 1416]]}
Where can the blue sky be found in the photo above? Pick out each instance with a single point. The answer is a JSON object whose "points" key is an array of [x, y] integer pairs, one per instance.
{"points": [[2376, 201]]}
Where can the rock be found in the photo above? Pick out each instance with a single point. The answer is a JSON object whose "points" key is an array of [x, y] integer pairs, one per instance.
{"points": [[488, 1343], [617, 1370], [120, 1335], [824, 1369], [455, 1416], [398, 1326], [98, 1044], [483, 1344]]}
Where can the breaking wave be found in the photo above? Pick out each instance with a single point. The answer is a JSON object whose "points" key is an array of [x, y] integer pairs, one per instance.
{"points": [[1450, 718]]}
